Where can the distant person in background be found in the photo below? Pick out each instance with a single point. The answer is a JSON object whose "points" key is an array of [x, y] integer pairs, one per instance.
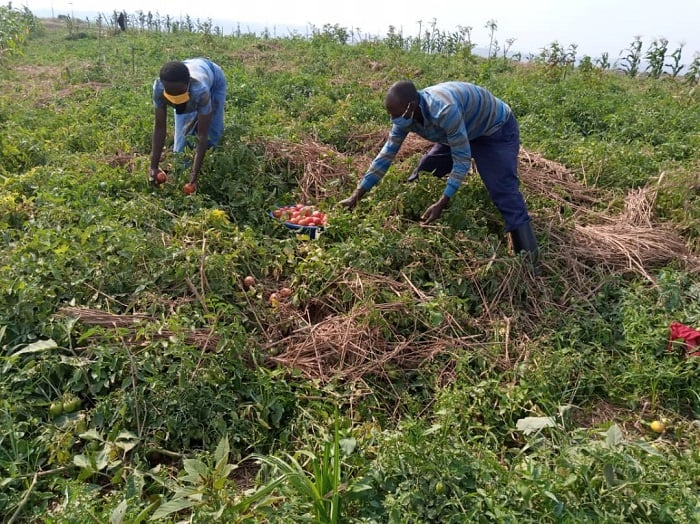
{"points": [[464, 121], [121, 21], [196, 89]]}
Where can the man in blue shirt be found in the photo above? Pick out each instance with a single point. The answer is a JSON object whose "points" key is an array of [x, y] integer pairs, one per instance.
{"points": [[465, 122], [196, 89]]}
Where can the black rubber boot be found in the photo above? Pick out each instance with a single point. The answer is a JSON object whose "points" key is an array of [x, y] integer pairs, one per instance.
{"points": [[524, 240]]}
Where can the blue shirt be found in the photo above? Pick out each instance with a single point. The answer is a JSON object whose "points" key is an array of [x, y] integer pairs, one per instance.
{"points": [[453, 114], [202, 78]]}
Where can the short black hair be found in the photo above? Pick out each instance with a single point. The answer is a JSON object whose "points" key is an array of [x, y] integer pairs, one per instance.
{"points": [[404, 91], [174, 71]]}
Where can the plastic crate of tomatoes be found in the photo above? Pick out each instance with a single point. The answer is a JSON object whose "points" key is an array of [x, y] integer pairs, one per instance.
{"points": [[302, 219]]}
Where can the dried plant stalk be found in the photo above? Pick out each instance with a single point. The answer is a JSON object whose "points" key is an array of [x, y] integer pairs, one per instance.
{"points": [[202, 338]]}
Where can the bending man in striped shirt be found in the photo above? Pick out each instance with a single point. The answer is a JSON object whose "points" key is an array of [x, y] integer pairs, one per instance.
{"points": [[464, 121]]}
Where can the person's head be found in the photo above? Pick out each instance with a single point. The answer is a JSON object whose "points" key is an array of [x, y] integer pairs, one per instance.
{"points": [[176, 83], [402, 101]]}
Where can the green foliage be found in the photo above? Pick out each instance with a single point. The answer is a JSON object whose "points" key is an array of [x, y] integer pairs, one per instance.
{"points": [[633, 59], [554, 473], [205, 490], [315, 480], [494, 398], [16, 26], [656, 57], [614, 139]]}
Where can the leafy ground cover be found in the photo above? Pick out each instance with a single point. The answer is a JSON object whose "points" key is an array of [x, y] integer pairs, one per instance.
{"points": [[186, 358]]}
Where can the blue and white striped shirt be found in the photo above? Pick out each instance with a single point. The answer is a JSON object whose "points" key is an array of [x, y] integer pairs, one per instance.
{"points": [[453, 113]]}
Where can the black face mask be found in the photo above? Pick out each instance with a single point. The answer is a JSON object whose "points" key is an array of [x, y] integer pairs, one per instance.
{"points": [[181, 108]]}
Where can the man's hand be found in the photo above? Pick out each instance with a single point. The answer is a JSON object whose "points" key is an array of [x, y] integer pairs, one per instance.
{"points": [[353, 199], [433, 212], [153, 175]]}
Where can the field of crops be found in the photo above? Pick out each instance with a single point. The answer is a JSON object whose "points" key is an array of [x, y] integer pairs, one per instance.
{"points": [[189, 358]]}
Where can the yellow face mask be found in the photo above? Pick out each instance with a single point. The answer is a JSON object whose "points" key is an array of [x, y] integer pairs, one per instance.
{"points": [[177, 99]]}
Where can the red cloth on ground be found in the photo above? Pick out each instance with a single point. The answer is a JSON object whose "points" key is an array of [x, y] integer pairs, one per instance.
{"points": [[690, 336]]}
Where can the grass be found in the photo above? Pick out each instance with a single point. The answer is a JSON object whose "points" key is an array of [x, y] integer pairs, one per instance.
{"points": [[415, 374]]}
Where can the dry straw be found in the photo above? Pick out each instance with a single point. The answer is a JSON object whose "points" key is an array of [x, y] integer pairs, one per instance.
{"points": [[131, 327], [324, 340], [354, 344], [343, 345], [631, 240], [327, 172]]}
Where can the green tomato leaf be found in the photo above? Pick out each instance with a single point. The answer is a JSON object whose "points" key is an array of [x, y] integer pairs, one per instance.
{"points": [[613, 437], [37, 347], [170, 507], [529, 425]]}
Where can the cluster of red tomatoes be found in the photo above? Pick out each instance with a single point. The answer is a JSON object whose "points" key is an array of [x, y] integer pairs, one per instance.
{"points": [[301, 215]]}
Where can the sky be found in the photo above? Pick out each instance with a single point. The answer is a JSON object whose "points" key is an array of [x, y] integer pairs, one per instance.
{"points": [[595, 26]]}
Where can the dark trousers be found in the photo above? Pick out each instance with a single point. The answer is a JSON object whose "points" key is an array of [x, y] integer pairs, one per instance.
{"points": [[496, 158]]}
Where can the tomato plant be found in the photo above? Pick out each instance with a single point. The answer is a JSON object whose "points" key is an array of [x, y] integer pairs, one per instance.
{"points": [[190, 363]]}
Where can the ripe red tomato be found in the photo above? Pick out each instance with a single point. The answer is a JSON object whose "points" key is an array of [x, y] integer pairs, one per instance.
{"points": [[189, 188], [161, 177], [301, 215]]}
